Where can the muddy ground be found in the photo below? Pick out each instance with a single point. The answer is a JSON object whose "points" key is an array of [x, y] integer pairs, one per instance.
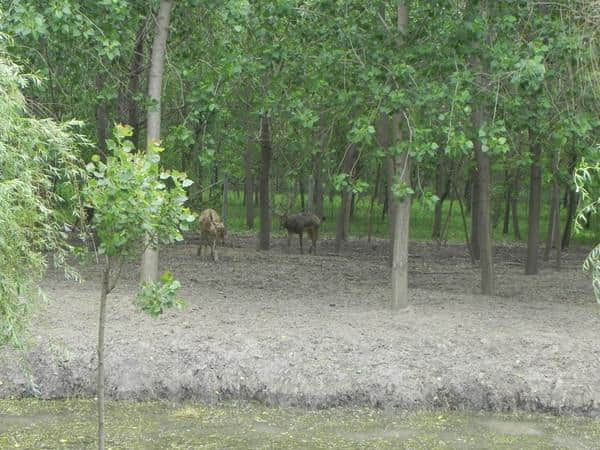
{"points": [[316, 331]]}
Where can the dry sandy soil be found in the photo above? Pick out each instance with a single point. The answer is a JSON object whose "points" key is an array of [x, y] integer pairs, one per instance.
{"points": [[316, 331]]}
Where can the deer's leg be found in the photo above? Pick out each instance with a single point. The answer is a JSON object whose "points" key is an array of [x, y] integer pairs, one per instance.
{"points": [[301, 249], [214, 250]]}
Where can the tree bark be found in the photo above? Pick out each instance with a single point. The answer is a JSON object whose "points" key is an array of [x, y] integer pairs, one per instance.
{"points": [[508, 185], [401, 220], [475, 211], [535, 200], [225, 204], [249, 187], [483, 207], [310, 195], [515, 206], [348, 164], [100, 374], [301, 188], [553, 236], [318, 189], [372, 202], [266, 152], [133, 86], [572, 202], [441, 194], [149, 270]]}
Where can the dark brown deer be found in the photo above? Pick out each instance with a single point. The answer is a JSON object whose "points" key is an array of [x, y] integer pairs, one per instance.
{"points": [[298, 224]]}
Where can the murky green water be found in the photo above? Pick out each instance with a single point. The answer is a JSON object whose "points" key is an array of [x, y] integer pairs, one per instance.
{"points": [[70, 424]]}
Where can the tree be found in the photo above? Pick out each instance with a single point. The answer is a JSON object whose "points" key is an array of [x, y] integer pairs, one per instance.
{"points": [[34, 154], [157, 65], [130, 201]]}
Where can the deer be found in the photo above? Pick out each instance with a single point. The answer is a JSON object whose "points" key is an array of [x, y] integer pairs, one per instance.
{"points": [[298, 224], [211, 231]]}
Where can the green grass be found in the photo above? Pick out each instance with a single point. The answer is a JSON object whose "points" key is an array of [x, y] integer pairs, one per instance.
{"points": [[31, 423], [421, 223]]}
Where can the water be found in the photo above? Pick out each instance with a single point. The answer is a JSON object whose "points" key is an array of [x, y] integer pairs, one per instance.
{"points": [[70, 424]]}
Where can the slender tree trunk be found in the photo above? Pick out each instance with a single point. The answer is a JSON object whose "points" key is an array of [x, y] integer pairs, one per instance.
{"points": [[439, 192], [468, 191], [515, 206], [249, 187], [133, 86], [346, 198], [100, 349], [475, 211], [508, 185], [301, 188], [101, 120], [535, 200], [554, 217], [372, 202], [266, 152], [483, 206], [225, 204], [572, 202], [571, 210], [401, 221], [157, 64], [310, 195], [551, 229], [556, 231], [318, 192]]}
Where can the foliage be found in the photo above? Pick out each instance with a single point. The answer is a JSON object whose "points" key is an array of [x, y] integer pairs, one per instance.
{"points": [[34, 155], [155, 298], [131, 199], [135, 205], [584, 177]]}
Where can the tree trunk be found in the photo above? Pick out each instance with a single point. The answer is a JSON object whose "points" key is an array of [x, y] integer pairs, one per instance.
{"points": [[508, 185], [483, 207], [515, 206], [301, 188], [157, 65], [249, 187], [101, 120], [344, 212], [535, 196], [556, 231], [318, 192], [100, 350], [225, 204], [401, 219], [572, 202], [372, 202], [439, 192], [133, 86], [310, 195], [475, 211], [554, 218], [266, 152], [571, 210]]}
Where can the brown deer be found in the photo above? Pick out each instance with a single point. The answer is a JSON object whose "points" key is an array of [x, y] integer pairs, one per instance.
{"points": [[298, 224], [211, 231]]}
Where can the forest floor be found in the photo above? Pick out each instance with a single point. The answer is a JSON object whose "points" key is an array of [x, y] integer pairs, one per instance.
{"points": [[316, 331]]}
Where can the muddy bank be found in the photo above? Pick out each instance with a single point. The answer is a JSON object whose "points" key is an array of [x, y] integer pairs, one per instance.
{"points": [[316, 331]]}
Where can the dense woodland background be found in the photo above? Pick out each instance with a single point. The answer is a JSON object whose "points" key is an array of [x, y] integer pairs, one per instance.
{"points": [[468, 116]]}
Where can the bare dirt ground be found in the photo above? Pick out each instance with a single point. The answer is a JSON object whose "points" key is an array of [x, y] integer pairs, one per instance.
{"points": [[316, 331]]}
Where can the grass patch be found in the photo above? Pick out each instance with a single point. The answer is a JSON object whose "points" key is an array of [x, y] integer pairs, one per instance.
{"points": [[31, 423]]}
